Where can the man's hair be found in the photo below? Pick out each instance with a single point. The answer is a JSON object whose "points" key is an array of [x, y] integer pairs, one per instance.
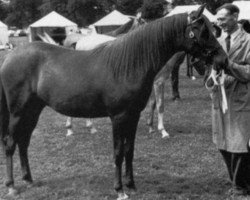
{"points": [[230, 7]]}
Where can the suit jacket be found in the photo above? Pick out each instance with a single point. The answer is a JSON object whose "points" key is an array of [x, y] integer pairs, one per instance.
{"points": [[231, 131]]}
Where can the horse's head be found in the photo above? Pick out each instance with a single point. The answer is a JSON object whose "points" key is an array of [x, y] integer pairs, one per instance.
{"points": [[200, 41]]}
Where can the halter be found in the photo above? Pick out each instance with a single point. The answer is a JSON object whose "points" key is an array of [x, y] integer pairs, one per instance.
{"points": [[218, 79], [206, 53]]}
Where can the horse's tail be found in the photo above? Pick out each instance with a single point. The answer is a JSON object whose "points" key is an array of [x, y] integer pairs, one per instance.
{"points": [[4, 114]]}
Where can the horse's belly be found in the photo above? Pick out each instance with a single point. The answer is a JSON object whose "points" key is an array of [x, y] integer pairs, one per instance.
{"points": [[81, 110], [75, 104]]}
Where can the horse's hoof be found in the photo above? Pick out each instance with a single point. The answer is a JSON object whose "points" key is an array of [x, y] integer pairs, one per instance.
{"points": [[88, 123], [132, 191], [193, 78], [12, 192], [165, 134], [176, 98], [93, 131], [69, 133], [122, 196], [29, 184], [151, 130]]}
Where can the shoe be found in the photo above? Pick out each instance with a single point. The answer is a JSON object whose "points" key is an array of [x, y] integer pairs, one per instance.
{"points": [[237, 192]]}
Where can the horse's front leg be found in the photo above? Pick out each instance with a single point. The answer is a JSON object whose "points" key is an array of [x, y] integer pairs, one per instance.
{"points": [[129, 150], [159, 96], [175, 82], [124, 128], [89, 123], [190, 67]]}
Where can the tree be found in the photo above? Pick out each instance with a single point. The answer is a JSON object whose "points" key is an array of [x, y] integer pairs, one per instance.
{"points": [[128, 7], [22, 12], [59, 6], [212, 5], [3, 10], [85, 12], [153, 9]]}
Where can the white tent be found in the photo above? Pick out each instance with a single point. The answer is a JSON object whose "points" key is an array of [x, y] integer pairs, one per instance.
{"points": [[4, 37], [244, 7], [50, 23], [190, 8], [111, 21]]}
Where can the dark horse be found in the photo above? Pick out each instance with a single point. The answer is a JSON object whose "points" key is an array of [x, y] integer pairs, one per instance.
{"points": [[114, 80]]}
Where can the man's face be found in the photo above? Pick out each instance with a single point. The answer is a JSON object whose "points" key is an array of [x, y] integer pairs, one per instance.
{"points": [[226, 20]]}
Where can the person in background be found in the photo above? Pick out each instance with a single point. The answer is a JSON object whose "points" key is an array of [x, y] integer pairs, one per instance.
{"points": [[245, 24], [231, 131]]}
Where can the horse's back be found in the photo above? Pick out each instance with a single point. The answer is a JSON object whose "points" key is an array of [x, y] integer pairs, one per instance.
{"points": [[92, 41]]}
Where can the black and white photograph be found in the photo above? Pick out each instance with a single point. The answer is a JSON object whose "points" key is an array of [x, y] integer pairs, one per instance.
{"points": [[124, 100]]}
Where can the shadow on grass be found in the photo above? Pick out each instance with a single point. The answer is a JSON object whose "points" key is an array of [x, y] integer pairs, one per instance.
{"points": [[164, 186]]}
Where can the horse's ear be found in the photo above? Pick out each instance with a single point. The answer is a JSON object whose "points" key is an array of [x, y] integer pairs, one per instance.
{"points": [[198, 13]]}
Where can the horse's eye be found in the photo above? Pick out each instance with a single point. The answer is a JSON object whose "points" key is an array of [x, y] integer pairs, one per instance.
{"points": [[191, 34]]}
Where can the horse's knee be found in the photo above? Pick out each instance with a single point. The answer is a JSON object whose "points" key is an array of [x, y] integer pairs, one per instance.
{"points": [[159, 81], [152, 104], [118, 160], [118, 157], [9, 146], [161, 108], [68, 123]]}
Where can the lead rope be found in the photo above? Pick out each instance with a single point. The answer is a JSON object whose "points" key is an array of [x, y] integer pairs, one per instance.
{"points": [[221, 80]]}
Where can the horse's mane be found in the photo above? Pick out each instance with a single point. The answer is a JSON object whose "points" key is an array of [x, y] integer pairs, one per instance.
{"points": [[140, 50], [122, 29]]}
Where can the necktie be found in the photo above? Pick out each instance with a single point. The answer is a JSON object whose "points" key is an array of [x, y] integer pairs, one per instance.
{"points": [[228, 42]]}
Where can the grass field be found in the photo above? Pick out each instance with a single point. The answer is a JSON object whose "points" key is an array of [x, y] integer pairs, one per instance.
{"points": [[185, 167]]}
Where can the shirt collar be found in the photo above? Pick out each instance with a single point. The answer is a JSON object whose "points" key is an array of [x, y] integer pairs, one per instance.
{"points": [[235, 33]]}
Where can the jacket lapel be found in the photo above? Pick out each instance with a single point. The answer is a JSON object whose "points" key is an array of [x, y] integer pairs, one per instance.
{"points": [[223, 43], [237, 43]]}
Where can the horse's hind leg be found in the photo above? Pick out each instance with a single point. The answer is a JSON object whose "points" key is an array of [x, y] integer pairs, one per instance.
{"points": [[152, 106], [159, 96], [20, 128], [89, 123], [69, 126], [27, 125], [9, 147]]}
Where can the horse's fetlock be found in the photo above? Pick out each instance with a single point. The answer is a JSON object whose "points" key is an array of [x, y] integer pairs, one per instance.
{"points": [[28, 178], [118, 187], [9, 183]]}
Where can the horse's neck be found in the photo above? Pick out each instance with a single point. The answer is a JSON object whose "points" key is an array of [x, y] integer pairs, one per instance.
{"points": [[142, 53], [171, 44]]}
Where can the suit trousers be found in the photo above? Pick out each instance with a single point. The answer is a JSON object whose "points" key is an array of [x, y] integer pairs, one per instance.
{"points": [[238, 166]]}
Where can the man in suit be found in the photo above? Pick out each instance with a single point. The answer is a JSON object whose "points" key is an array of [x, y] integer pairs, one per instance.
{"points": [[231, 131]]}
